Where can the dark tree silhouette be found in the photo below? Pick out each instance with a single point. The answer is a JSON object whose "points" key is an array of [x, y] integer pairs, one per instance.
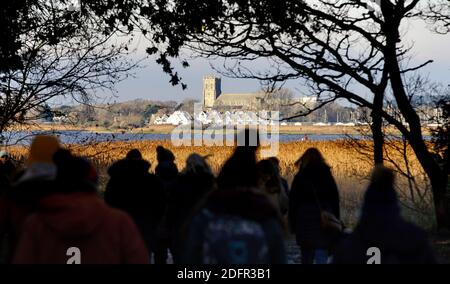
{"points": [[52, 49], [441, 135], [437, 15], [339, 49], [350, 49]]}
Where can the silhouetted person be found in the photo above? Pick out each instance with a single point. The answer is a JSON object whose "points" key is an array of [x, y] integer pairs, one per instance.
{"points": [[194, 182], [75, 217], [313, 191], [35, 182], [381, 226], [166, 168], [237, 223], [134, 154], [167, 171], [284, 182], [7, 171], [135, 190], [269, 180], [240, 169]]}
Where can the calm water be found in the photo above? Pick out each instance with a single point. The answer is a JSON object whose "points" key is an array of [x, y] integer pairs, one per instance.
{"points": [[83, 137]]}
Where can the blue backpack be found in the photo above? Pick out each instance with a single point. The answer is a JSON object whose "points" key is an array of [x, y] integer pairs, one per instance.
{"points": [[233, 240]]}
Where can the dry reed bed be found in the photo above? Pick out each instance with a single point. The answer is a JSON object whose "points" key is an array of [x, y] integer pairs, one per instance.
{"points": [[350, 168]]}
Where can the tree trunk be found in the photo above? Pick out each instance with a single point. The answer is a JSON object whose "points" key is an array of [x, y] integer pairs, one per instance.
{"points": [[377, 129], [415, 137], [438, 180]]}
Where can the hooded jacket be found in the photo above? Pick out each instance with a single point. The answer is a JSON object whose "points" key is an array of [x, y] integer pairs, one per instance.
{"points": [[382, 226], [102, 234], [313, 189]]}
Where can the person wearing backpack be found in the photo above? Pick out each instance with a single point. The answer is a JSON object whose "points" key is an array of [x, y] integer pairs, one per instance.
{"points": [[240, 226], [382, 230], [237, 223], [314, 213]]}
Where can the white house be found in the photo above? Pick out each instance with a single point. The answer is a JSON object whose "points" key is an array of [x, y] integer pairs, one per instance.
{"points": [[179, 117]]}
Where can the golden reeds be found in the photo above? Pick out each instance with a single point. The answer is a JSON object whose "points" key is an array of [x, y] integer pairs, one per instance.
{"points": [[350, 168]]}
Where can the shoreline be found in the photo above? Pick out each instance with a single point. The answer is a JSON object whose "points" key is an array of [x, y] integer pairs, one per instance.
{"points": [[167, 129]]}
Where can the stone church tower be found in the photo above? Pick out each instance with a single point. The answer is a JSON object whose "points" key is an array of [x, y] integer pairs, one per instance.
{"points": [[211, 90]]}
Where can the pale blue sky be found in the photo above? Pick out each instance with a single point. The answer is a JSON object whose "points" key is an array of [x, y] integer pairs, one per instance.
{"points": [[152, 83]]}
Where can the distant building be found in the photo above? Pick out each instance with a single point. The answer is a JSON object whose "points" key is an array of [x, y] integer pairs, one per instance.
{"points": [[214, 98], [211, 90], [307, 101]]}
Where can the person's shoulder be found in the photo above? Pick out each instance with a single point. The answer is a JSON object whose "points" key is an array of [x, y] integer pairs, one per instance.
{"points": [[304, 174], [272, 224], [9, 165], [301, 178], [140, 164], [153, 180], [201, 218], [321, 169], [131, 166], [198, 180], [413, 233], [113, 212], [116, 167], [31, 189], [117, 218]]}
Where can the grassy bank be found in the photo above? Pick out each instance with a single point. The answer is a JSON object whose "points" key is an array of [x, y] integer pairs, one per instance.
{"points": [[164, 129]]}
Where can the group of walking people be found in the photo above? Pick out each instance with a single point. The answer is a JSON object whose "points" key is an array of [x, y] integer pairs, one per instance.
{"points": [[244, 215]]}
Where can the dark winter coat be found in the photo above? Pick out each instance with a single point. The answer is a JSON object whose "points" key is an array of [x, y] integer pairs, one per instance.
{"points": [[167, 171], [22, 199], [139, 193], [313, 190], [7, 174], [399, 242], [285, 185], [381, 226], [238, 226], [188, 191]]}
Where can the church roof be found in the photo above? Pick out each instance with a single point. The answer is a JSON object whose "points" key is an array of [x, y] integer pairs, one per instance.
{"points": [[231, 97]]}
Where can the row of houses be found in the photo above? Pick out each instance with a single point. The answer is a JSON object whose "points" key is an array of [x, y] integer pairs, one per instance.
{"points": [[214, 117], [238, 117]]}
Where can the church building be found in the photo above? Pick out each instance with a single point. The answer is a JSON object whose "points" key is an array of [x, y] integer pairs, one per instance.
{"points": [[214, 98]]}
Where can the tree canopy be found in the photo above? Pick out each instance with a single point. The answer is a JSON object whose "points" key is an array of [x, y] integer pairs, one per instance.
{"points": [[53, 49], [339, 49]]}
